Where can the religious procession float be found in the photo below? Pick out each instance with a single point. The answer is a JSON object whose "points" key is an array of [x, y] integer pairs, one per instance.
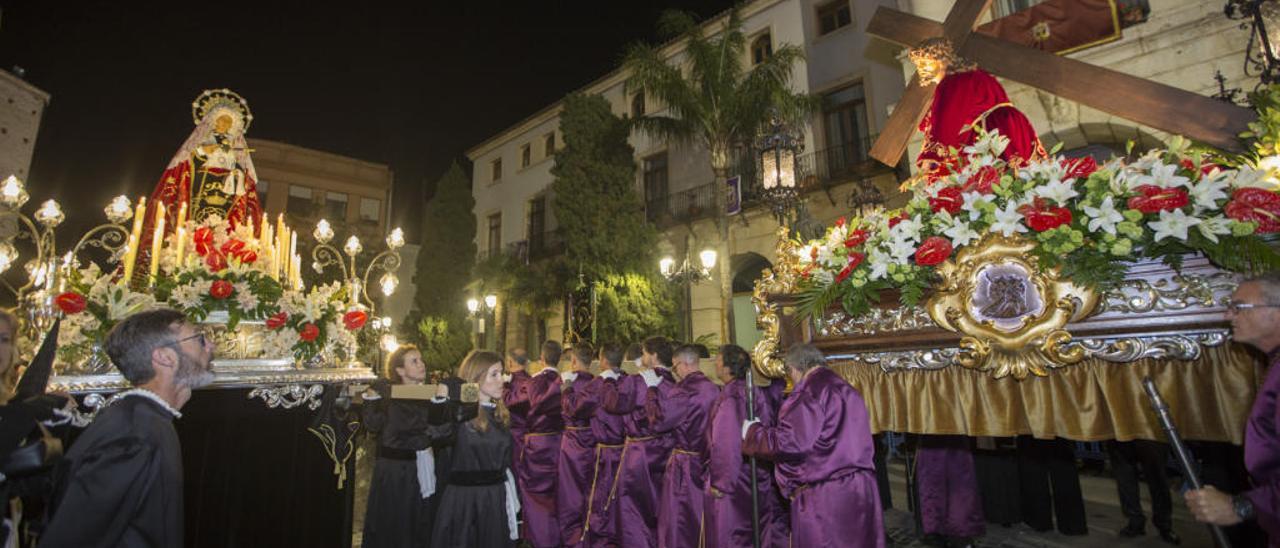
{"points": [[1019, 292], [202, 245]]}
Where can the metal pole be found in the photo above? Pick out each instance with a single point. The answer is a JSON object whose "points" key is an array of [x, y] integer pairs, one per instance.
{"points": [[1179, 450], [755, 490]]}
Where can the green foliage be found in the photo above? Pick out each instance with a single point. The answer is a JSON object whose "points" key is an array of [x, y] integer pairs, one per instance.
{"points": [[442, 344], [714, 99], [630, 307], [1263, 136], [600, 214], [448, 248]]}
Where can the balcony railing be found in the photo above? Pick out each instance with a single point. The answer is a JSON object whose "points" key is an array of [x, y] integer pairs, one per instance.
{"points": [[820, 170]]}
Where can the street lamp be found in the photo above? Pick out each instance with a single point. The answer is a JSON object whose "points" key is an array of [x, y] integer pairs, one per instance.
{"points": [[687, 274], [479, 309], [778, 150]]}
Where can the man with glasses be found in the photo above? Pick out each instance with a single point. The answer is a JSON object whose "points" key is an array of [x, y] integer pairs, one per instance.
{"points": [[121, 482], [1255, 314]]}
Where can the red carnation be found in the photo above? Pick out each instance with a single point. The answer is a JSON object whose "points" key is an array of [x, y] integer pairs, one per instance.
{"points": [[1153, 199], [277, 320], [1080, 168], [1257, 205], [950, 199], [70, 302], [215, 261], [203, 238], [855, 259], [221, 289], [856, 238], [309, 332], [1040, 217], [898, 219], [982, 181], [355, 319], [934, 250]]}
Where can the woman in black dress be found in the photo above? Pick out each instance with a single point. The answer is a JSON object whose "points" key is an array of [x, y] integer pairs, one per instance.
{"points": [[402, 492], [479, 507]]}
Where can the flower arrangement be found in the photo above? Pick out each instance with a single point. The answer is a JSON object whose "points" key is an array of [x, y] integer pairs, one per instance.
{"points": [[92, 304], [221, 273], [1090, 221]]}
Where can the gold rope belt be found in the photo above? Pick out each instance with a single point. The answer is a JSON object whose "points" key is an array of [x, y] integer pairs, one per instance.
{"points": [[575, 428]]}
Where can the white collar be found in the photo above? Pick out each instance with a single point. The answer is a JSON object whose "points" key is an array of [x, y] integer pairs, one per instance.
{"points": [[147, 394], [548, 369], [489, 404]]}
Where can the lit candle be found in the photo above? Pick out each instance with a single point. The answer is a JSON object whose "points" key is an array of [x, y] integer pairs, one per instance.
{"points": [[181, 235], [131, 255], [293, 254], [157, 240], [182, 214]]}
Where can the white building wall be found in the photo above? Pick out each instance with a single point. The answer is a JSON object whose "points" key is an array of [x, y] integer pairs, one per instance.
{"points": [[21, 108]]}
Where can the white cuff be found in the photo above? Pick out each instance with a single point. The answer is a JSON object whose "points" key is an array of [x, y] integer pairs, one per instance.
{"points": [[609, 374], [746, 427], [651, 378], [569, 376], [506, 378]]}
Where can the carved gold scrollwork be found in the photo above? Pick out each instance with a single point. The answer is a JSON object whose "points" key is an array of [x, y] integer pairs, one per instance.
{"points": [[1011, 311], [779, 280]]}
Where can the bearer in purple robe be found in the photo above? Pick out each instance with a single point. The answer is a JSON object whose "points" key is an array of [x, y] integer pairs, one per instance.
{"points": [[728, 487], [823, 452], [544, 424], [1254, 312], [681, 410], [515, 396], [645, 451], [577, 448], [609, 433], [947, 485]]}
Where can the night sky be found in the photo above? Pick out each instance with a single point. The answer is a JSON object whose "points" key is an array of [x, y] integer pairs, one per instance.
{"points": [[410, 85]]}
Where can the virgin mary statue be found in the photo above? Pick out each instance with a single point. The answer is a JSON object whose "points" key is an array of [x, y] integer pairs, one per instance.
{"points": [[212, 171]]}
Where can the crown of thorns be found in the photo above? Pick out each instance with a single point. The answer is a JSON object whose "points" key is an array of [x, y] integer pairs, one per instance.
{"points": [[939, 50]]}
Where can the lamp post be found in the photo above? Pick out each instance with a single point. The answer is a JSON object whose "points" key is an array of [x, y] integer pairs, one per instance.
{"points": [[686, 274], [1263, 52], [480, 311], [778, 150]]}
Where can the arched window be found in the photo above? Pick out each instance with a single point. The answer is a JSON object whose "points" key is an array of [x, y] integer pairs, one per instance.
{"points": [[761, 48], [637, 104]]}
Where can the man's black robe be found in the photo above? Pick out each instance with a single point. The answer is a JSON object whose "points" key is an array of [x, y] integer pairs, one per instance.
{"points": [[121, 482]]}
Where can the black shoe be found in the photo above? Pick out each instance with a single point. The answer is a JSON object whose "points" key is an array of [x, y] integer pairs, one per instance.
{"points": [[1170, 537], [934, 539], [1132, 531]]}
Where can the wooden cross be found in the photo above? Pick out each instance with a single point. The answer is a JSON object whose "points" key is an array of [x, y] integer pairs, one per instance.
{"points": [[1150, 103]]}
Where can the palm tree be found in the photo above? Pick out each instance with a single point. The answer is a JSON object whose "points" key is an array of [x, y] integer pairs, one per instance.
{"points": [[713, 100]]}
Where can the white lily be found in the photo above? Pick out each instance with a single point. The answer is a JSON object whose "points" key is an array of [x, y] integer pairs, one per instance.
{"points": [[1173, 223], [879, 262], [901, 250], [1206, 193], [1057, 190], [961, 233], [1162, 175], [990, 144], [1008, 220], [1104, 217], [908, 228], [1214, 226], [971, 201]]}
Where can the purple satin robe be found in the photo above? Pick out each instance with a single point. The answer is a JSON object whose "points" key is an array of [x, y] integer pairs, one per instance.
{"points": [[644, 456], [577, 461], [609, 433], [1262, 452], [681, 411], [541, 459], [947, 483], [728, 486], [515, 396], [823, 453]]}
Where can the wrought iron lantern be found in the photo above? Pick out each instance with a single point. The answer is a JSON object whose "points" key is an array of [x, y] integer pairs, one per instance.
{"points": [[1262, 55], [778, 151]]}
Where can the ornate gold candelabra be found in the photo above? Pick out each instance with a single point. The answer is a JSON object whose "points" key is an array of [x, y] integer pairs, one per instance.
{"points": [[324, 255]]}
